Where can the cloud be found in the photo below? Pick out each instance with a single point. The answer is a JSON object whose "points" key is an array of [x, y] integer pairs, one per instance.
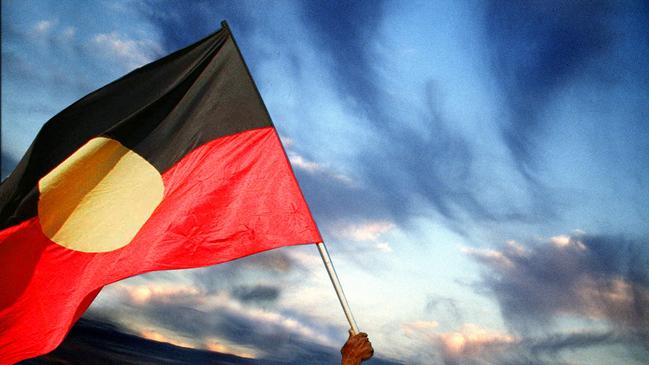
{"points": [[157, 336], [467, 345], [369, 234], [314, 168], [184, 314], [446, 307], [256, 293], [536, 48], [411, 165], [44, 26], [218, 345], [47, 32], [472, 341], [343, 31], [69, 32], [369, 231], [170, 19], [159, 292], [131, 53], [275, 264], [472, 344], [384, 247], [412, 328], [600, 279], [419, 162]]}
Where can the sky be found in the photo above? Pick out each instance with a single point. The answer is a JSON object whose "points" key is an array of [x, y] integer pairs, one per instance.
{"points": [[479, 171]]}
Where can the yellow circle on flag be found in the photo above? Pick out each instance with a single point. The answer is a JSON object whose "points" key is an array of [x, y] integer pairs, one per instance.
{"points": [[99, 197]]}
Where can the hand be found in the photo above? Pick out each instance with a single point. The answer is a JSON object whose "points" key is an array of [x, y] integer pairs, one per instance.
{"points": [[358, 348]]}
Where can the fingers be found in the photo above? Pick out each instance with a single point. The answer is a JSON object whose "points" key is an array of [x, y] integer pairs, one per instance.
{"points": [[362, 346], [368, 350], [358, 336], [358, 346]]}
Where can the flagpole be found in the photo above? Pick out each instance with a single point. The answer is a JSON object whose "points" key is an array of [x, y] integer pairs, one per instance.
{"points": [[336, 283]]}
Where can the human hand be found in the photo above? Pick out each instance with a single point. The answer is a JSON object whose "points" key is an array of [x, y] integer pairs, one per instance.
{"points": [[358, 348]]}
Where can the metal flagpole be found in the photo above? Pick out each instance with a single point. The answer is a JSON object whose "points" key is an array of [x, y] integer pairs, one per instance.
{"points": [[336, 283]]}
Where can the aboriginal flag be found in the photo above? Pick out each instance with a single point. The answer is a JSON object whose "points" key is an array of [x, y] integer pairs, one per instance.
{"points": [[175, 165]]}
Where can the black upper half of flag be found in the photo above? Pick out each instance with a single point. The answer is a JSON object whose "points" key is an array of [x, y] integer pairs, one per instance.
{"points": [[162, 111]]}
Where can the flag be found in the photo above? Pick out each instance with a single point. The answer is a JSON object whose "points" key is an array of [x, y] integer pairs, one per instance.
{"points": [[175, 165]]}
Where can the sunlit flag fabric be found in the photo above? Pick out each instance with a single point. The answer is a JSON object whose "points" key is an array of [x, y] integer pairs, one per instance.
{"points": [[174, 165]]}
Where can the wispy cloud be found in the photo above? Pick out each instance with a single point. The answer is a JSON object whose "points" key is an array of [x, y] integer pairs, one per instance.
{"points": [[315, 168], [131, 53], [536, 48], [44, 26], [367, 232]]}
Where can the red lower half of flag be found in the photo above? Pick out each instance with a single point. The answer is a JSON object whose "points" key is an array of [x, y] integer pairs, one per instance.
{"points": [[229, 198]]}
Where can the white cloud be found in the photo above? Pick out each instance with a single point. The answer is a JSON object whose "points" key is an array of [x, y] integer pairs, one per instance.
{"points": [[312, 167], [384, 247], [222, 346], [566, 241], [44, 26], [492, 257], [141, 294], [131, 53], [468, 342], [473, 341], [154, 335], [369, 231], [69, 32], [287, 141], [304, 164]]}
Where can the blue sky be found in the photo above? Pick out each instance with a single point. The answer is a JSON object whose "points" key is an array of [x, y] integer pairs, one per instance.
{"points": [[479, 170]]}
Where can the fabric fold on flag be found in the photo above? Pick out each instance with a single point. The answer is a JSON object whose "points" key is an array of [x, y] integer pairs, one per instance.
{"points": [[175, 165]]}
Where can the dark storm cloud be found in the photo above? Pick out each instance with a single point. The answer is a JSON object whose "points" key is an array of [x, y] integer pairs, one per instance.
{"points": [[256, 293], [537, 47], [593, 277], [230, 275], [554, 343]]}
